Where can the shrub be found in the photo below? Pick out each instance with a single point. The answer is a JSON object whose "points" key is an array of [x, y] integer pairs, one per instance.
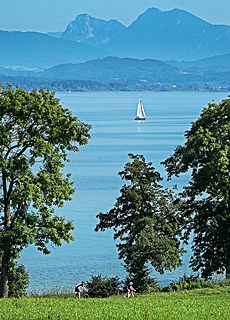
{"points": [[203, 283], [153, 285], [175, 286], [18, 280], [103, 287], [167, 289], [191, 282], [184, 285]]}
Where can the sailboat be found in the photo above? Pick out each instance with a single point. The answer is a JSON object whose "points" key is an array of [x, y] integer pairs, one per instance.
{"points": [[140, 111]]}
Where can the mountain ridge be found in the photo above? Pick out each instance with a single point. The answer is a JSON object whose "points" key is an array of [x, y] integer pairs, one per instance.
{"points": [[129, 69], [155, 34], [34, 49], [87, 29], [111, 68], [167, 35], [175, 34]]}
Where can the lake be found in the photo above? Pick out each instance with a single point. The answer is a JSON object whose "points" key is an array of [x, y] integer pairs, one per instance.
{"points": [[95, 170]]}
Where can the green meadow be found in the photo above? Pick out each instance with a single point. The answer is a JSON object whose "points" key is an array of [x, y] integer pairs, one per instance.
{"points": [[195, 304]]}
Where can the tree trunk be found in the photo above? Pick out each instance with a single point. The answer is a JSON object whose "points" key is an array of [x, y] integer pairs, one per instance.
{"points": [[228, 271], [4, 278], [5, 259]]}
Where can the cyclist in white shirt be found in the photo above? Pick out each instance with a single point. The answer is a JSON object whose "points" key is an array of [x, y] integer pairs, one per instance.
{"points": [[78, 289], [129, 287]]}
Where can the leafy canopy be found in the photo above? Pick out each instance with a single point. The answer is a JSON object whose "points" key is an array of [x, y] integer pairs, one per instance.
{"points": [[144, 219], [36, 134], [207, 204]]}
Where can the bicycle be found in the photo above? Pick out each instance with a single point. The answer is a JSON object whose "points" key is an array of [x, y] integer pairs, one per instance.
{"points": [[131, 295], [83, 295]]}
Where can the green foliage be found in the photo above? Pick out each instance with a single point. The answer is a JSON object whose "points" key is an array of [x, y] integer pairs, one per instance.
{"points": [[145, 220], [36, 133], [194, 282], [206, 198], [18, 280], [175, 286], [103, 287]]}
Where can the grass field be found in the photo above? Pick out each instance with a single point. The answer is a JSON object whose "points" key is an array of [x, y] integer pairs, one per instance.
{"points": [[194, 304]]}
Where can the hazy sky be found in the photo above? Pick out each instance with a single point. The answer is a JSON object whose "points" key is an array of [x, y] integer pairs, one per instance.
{"points": [[54, 15]]}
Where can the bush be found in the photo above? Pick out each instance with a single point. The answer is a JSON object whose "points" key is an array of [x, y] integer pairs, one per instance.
{"points": [[103, 287], [18, 280], [153, 285], [175, 286], [203, 284], [188, 283], [184, 285], [167, 289]]}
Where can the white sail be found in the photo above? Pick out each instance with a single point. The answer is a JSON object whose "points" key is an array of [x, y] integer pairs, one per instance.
{"points": [[143, 111], [140, 111]]}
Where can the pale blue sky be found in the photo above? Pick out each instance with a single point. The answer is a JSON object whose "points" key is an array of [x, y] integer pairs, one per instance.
{"points": [[54, 15]]}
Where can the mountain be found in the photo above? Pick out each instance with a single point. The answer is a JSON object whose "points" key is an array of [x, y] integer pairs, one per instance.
{"points": [[219, 63], [7, 71], [174, 34], [155, 35], [93, 31], [136, 72], [129, 70], [123, 74], [112, 68], [162, 35], [33, 49]]}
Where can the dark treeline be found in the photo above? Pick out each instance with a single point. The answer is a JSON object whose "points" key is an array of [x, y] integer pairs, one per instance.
{"points": [[30, 83]]}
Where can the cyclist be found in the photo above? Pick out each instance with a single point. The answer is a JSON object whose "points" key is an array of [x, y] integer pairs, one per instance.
{"points": [[78, 289], [129, 288]]}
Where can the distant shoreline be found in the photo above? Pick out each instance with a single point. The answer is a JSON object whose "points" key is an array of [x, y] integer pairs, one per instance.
{"points": [[62, 85]]}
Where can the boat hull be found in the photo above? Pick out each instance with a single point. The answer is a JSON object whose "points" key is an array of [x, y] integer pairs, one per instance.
{"points": [[139, 118]]}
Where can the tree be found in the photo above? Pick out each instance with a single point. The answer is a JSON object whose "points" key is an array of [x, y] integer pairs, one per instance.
{"points": [[18, 279], [144, 219], [36, 133], [206, 209]]}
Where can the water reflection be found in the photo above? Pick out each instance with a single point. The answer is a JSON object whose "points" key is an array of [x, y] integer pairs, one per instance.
{"points": [[140, 126]]}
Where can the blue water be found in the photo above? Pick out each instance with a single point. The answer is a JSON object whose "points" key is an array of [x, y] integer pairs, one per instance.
{"points": [[94, 171]]}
